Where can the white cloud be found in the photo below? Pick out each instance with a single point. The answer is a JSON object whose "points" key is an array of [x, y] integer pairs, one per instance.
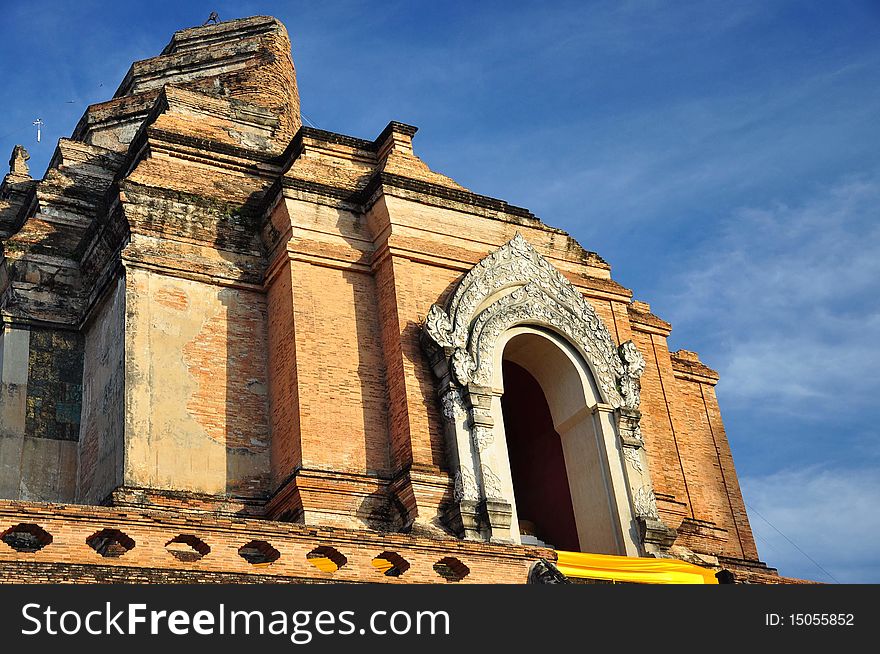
{"points": [[831, 514], [663, 159], [792, 296]]}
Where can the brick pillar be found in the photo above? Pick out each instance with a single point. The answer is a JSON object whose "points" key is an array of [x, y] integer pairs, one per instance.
{"points": [[420, 482], [284, 405]]}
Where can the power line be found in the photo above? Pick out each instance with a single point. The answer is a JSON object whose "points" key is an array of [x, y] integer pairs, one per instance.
{"points": [[795, 545], [309, 120], [765, 542]]}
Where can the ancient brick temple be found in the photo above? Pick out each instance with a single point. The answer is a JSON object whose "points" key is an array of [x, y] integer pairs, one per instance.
{"points": [[235, 348]]}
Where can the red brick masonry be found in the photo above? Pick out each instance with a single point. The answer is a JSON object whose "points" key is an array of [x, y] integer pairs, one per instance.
{"points": [[68, 558]]}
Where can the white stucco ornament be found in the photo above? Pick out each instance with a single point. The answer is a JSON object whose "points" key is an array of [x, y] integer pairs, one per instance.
{"points": [[482, 437], [645, 503], [452, 405], [632, 456], [633, 367], [491, 484], [465, 487], [536, 294]]}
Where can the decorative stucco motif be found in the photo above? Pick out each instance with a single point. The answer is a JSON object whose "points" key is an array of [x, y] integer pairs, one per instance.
{"points": [[491, 483], [438, 326], [465, 486], [645, 503], [482, 437], [632, 456], [452, 405], [633, 367], [539, 295]]}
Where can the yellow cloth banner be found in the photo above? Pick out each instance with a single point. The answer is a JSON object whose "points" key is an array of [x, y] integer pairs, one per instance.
{"points": [[632, 569]]}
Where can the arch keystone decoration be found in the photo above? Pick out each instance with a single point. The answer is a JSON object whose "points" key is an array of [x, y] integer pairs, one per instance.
{"points": [[516, 287]]}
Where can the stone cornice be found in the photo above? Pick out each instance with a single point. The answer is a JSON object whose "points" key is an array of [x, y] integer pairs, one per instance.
{"points": [[149, 137], [607, 288], [204, 36], [687, 365], [427, 189], [392, 128], [123, 109], [643, 320], [246, 158], [14, 213], [331, 137], [250, 208]]}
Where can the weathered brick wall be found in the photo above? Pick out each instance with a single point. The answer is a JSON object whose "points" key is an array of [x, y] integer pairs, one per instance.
{"points": [[286, 452], [246, 61], [54, 394], [101, 442], [40, 395], [342, 378], [14, 353], [658, 430], [716, 498], [691, 465], [196, 386], [729, 476]]}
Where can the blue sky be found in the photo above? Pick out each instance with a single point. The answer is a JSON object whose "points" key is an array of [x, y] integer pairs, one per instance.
{"points": [[723, 157]]}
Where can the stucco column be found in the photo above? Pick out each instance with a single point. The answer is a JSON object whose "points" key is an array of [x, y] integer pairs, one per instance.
{"points": [[490, 453], [654, 535]]}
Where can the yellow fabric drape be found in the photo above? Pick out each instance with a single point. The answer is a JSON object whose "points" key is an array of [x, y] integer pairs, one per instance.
{"points": [[382, 565], [632, 569], [323, 563]]}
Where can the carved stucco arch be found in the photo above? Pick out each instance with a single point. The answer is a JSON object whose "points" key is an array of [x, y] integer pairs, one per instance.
{"points": [[515, 286]]}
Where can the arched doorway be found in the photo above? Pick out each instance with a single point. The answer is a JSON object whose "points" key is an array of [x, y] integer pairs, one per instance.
{"points": [[556, 445], [515, 306], [537, 464]]}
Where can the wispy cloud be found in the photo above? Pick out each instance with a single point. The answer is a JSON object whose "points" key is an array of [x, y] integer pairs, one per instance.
{"points": [[830, 513], [792, 296]]}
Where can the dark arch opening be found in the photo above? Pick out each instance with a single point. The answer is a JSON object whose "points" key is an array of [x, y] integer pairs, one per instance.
{"points": [[537, 462]]}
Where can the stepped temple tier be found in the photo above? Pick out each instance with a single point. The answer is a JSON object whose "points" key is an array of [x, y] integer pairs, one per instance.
{"points": [[238, 349]]}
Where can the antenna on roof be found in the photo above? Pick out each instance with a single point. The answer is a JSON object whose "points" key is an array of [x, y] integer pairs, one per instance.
{"points": [[213, 18], [39, 123]]}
